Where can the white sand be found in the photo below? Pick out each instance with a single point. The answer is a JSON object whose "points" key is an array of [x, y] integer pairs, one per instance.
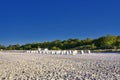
{"points": [[23, 66]]}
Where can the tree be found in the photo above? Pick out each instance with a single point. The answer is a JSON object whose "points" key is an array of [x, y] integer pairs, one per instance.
{"points": [[55, 48], [45, 45], [57, 43], [27, 47], [105, 42], [117, 43], [11, 47], [35, 45], [17, 47], [2, 47], [93, 46]]}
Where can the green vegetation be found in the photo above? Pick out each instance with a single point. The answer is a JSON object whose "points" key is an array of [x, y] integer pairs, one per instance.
{"points": [[104, 42]]}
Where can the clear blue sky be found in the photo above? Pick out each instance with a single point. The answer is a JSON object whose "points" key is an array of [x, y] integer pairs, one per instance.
{"points": [[24, 21]]}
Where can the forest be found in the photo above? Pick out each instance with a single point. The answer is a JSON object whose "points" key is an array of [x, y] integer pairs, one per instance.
{"points": [[103, 42]]}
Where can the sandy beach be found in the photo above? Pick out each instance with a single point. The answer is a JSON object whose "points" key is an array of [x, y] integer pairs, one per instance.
{"points": [[24, 66]]}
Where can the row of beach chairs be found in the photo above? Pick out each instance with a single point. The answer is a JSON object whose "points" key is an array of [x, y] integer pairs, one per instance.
{"points": [[58, 52]]}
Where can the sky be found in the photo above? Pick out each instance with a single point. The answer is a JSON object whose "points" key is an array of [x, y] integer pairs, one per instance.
{"points": [[26, 21]]}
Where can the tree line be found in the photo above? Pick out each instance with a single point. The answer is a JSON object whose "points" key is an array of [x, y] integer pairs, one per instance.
{"points": [[104, 42]]}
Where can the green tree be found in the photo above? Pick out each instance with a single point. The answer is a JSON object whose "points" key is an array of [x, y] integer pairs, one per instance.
{"points": [[35, 45], [11, 47], [45, 45], [57, 43], [93, 46], [55, 48], [27, 47], [106, 41], [117, 43], [2, 47]]}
